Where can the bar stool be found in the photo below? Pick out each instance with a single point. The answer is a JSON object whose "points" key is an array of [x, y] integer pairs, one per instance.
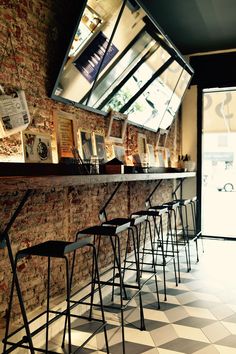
{"points": [[187, 206], [181, 239], [112, 232], [61, 250], [136, 222], [154, 245]]}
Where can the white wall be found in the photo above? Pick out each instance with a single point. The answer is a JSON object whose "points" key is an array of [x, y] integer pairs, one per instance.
{"points": [[189, 135]]}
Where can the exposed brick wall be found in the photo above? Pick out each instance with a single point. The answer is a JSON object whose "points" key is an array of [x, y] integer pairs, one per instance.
{"points": [[60, 212]]}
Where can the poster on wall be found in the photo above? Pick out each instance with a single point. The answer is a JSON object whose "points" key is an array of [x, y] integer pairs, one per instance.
{"points": [[89, 61], [14, 113], [100, 147], [86, 145], [65, 124], [36, 147]]}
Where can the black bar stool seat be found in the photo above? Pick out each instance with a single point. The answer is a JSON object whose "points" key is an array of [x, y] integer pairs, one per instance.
{"points": [[183, 201], [122, 221], [103, 230], [161, 209], [152, 212], [51, 248], [173, 205]]}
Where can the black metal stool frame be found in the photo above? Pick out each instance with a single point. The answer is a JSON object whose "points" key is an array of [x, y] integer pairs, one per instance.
{"points": [[35, 250], [115, 243], [157, 239], [5, 240]]}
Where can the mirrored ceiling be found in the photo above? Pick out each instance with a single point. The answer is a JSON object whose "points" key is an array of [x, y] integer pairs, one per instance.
{"points": [[119, 59]]}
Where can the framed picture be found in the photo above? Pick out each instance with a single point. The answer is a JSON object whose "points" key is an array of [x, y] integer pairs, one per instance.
{"points": [[36, 147], [117, 127], [65, 127], [161, 156], [100, 148], [142, 147], [119, 152], [151, 154], [85, 145]]}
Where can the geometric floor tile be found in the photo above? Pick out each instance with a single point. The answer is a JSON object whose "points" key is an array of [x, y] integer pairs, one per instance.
{"points": [[203, 304], [190, 333], [225, 350], [196, 322], [176, 314], [230, 326], [199, 312], [229, 341], [163, 335], [155, 315], [174, 291], [184, 345], [139, 337], [210, 349], [130, 347], [231, 318], [187, 297], [222, 311], [215, 331], [149, 324]]}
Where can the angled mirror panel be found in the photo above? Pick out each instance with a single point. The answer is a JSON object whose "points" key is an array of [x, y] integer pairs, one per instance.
{"points": [[88, 49], [137, 74], [119, 59], [129, 62]]}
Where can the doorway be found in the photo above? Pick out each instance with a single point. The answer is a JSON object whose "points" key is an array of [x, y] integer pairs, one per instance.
{"points": [[218, 217]]}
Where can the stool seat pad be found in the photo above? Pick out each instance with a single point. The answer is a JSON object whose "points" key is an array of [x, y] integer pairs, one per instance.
{"points": [[146, 213], [171, 205], [118, 222], [51, 249], [102, 230], [183, 201], [160, 208], [123, 221]]}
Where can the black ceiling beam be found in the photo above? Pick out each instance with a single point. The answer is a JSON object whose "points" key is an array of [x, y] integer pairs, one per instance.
{"points": [[214, 70]]}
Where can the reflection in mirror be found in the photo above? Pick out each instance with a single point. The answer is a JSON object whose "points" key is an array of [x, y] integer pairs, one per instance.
{"points": [[120, 60]]}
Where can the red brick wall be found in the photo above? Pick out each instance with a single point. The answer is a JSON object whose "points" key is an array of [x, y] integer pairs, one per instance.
{"points": [[59, 213]]}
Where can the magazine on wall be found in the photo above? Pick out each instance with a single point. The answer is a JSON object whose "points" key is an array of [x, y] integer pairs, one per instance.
{"points": [[14, 113]]}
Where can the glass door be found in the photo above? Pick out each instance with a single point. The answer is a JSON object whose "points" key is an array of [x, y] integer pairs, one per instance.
{"points": [[219, 163]]}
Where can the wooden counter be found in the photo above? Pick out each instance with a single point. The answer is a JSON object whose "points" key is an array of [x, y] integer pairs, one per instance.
{"points": [[16, 183]]}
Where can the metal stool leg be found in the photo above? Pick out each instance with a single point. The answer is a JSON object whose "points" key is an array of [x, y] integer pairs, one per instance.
{"points": [[48, 304], [153, 264], [142, 323], [95, 263], [185, 237], [15, 282]]}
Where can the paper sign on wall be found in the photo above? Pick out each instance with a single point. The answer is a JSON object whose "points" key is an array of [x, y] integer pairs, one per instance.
{"points": [[14, 113]]}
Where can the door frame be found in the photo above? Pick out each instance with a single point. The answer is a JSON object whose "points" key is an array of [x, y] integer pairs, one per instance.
{"points": [[200, 93]]}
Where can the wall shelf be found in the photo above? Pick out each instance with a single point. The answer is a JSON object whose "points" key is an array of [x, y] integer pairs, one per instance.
{"points": [[38, 176]]}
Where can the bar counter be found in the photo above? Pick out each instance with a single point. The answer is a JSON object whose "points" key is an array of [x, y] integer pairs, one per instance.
{"points": [[10, 183]]}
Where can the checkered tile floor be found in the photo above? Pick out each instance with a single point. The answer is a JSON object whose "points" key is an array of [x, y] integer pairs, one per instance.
{"points": [[199, 316]]}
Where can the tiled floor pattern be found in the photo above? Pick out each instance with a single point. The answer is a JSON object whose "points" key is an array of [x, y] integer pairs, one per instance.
{"points": [[199, 316]]}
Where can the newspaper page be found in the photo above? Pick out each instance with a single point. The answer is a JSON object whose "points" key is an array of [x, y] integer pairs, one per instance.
{"points": [[14, 114]]}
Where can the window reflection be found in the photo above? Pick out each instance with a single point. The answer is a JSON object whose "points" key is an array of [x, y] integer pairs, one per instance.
{"points": [[119, 60]]}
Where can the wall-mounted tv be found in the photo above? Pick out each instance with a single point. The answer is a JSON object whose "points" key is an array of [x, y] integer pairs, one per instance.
{"points": [[118, 58]]}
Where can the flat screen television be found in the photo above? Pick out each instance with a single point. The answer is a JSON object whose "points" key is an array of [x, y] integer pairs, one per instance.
{"points": [[118, 58]]}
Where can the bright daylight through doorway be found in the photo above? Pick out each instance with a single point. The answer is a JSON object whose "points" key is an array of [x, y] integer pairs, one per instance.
{"points": [[219, 163]]}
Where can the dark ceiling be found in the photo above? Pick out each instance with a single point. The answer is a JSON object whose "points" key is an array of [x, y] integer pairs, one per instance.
{"points": [[196, 26]]}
